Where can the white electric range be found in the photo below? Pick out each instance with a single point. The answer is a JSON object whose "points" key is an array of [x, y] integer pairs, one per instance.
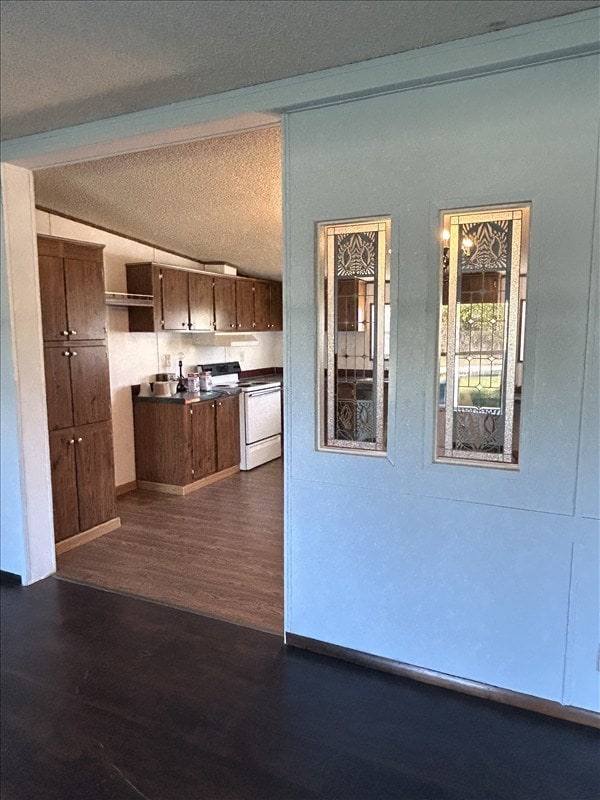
{"points": [[260, 412]]}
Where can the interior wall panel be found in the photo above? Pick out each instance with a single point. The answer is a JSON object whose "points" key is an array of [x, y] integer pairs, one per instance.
{"points": [[462, 569]]}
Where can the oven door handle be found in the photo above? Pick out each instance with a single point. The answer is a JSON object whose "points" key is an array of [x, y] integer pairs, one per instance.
{"points": [[258, 392]]}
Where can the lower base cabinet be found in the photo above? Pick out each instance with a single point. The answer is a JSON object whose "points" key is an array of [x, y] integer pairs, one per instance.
{"points": [[178, 444], [83, 484]]}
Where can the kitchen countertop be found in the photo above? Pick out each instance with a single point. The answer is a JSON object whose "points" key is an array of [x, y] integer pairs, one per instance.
{"points": [[186, 398]]}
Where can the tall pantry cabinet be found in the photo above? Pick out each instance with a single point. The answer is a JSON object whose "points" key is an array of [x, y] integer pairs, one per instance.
{"points": [[77, 390]]}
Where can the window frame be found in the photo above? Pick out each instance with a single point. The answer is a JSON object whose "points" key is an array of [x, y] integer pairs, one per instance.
{"points": [[326, 301]]}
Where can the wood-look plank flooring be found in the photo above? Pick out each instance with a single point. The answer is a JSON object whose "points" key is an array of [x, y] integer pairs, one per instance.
{"points": [[108, 697], [218, 551]]}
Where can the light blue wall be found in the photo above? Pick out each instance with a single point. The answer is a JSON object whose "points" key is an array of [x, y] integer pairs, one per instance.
{"points": [[12, 556], [487, 574]]}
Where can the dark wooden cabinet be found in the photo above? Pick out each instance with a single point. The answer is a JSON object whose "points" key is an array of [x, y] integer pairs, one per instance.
{"points": [[188, 300], [64, 484], [77, 386], [201, 300], [182, 299], [162, 443], [225, 304], [71, 290], [175, 300], [276, 306], [180, 447], [227, 432], [203, 442], [82, 478], [244, 304], [268, 306]]}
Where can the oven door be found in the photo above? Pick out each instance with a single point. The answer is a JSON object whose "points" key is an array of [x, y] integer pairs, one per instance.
{"points": [[262, 410]]}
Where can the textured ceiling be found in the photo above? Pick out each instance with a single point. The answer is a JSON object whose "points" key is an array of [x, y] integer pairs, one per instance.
{"points": [[64, 62], [68, 62], [216, 199]]}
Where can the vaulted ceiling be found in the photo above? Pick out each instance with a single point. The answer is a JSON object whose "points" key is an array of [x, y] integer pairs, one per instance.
{"points": [[66, 62]]}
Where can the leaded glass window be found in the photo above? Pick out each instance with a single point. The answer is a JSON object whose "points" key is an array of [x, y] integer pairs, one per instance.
{"points": [[354, 333], [484, 286]]}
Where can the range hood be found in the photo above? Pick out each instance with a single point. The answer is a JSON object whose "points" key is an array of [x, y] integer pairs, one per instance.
{"points": [[224, 339]]}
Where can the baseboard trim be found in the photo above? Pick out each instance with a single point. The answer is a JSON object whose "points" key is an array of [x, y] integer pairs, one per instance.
{"points": [[167, 488], [88, 536], [125, 488], [10, 578], [506, 696]]}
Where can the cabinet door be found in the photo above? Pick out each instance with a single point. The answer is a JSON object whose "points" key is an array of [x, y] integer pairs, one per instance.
{"points": [[225, 317], [86, 312], [176, 315], [228, 433], [90, 383], [95, 474], [262, 305], [64, 484], [244, 305], [53, 299], [204, 451], [276, 307], [201, 302], [59, 399], [162, 443]]}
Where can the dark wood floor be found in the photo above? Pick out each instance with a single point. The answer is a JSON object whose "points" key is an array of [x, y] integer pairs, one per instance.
{"points": [[218, 551], [107, 697]]}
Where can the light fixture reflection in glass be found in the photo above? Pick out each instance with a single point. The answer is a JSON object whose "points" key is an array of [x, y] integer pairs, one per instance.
{"points": [[446, 247]]}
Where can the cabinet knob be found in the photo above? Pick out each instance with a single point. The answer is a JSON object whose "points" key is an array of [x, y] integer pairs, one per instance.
{"points": [[232, 325], [184, 324], [73, 353], [80, 439], [239, 324], [71, 441], [220, 404], [73, 333], [64, 333], [66, 353]]}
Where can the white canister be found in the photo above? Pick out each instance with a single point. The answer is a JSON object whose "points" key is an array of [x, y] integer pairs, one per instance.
{"points": [[206, 382]]}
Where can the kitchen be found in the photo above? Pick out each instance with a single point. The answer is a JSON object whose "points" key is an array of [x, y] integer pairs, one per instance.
{"points": [[236, 177]]}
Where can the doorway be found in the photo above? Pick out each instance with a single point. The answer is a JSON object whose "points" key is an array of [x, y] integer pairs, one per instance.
{"points": [[190, 511]]}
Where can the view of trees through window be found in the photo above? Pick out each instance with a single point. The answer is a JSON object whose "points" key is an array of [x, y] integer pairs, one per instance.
{"points": [[484, 281]]}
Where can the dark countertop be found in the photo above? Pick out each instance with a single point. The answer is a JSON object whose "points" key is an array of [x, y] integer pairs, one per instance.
{"points": [[186, 398]]}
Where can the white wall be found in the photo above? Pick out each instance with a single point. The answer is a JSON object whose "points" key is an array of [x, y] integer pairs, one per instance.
{"points": [[137, 357], [482, 573], [26, 491]]}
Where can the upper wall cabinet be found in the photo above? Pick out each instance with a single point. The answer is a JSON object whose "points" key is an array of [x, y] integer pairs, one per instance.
{"points": [[188, 300], [71, 290], [234, 304], [267, 306], [183, 299]]}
